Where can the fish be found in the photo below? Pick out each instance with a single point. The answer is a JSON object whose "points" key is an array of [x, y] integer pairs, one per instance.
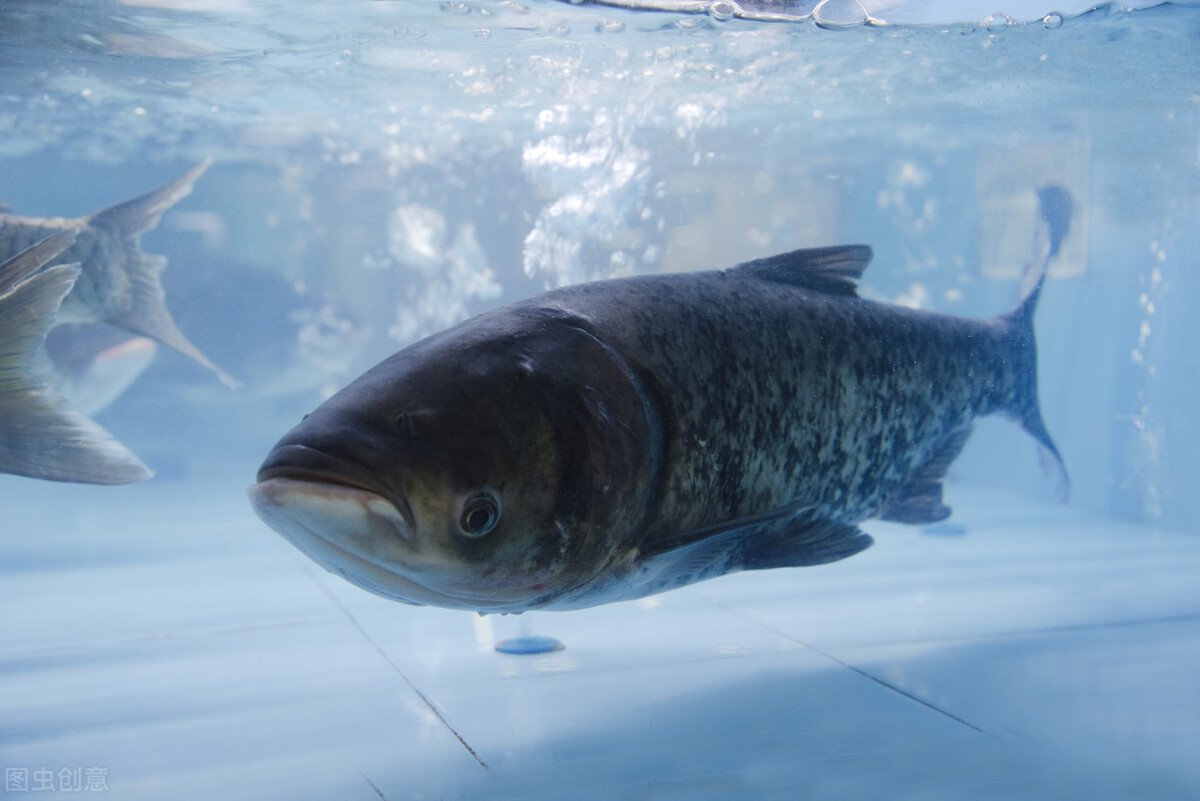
{"points": [[41, 434], [611, 440], [94, 364], [118, 283]]}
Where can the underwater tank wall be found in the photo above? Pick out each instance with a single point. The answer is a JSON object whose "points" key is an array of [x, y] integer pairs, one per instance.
{"points": [[382, 170]]}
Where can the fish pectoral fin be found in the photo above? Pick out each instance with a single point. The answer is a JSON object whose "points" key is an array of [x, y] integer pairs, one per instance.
{"points": [[41, 436], [790, 537], [805, 541], [919, 501], [832, 271]]}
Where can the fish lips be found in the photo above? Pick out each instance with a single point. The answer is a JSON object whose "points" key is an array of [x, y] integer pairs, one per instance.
{"points": [[351, 532], [296, 460], [329, 492], [317, 503]]}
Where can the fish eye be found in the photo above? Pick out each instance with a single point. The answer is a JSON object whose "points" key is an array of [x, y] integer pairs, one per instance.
{"points": [[480, 514]]}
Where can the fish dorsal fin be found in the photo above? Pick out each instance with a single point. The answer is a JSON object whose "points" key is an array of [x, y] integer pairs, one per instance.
{"points": [[834, 271], [792, 536]]}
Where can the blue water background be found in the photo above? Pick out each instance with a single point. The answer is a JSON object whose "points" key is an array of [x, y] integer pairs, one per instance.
{"points": [[382, 169]]}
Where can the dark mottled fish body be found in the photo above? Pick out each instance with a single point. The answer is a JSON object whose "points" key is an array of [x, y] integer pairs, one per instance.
{"points": [[770, 392], [611, 440], [118, 283]]}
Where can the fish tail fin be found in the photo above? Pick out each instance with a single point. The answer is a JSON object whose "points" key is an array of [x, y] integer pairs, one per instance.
{"points": [[147, 312], [41, 436], [139, 215], [147, 315], [1055, 207]]}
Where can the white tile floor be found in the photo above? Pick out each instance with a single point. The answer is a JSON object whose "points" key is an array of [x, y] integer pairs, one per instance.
{"points": [[162, 634]]}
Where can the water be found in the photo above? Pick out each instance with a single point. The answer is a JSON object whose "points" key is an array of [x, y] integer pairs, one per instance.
{"points": [[384, 169]]}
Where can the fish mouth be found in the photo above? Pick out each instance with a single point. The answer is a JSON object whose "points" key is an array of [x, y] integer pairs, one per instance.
{"points": [[305, 463], [301, 463], [345, 513], [354, 533]]}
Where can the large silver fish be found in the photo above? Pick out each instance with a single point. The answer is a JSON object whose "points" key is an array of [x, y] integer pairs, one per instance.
{"points": [[611, 440], [41, 435], [118, 283]]}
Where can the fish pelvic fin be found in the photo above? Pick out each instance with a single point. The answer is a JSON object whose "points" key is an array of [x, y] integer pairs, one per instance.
{"points": [[1055, 207], [146, 312], [919, 501], [41, 436]]}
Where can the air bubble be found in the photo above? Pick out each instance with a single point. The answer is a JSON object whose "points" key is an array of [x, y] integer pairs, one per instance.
{"points": [[723, 10], [839, 15], [997, 22], [1052, 20], [451, 7]]}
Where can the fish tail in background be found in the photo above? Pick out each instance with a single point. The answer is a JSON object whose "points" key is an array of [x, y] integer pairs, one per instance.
{"points": [[147, 312], [1055, 206], [41, 436], [139, 215]]}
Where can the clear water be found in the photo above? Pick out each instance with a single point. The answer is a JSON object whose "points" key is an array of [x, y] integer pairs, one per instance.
{"points": [[383, 169]]}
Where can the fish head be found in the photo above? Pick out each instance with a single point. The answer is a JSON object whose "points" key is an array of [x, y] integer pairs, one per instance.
{"points": [[477, 470]]}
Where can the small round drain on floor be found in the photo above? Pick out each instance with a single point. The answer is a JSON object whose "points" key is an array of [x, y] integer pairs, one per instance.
{"points": [[529, 645]]}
